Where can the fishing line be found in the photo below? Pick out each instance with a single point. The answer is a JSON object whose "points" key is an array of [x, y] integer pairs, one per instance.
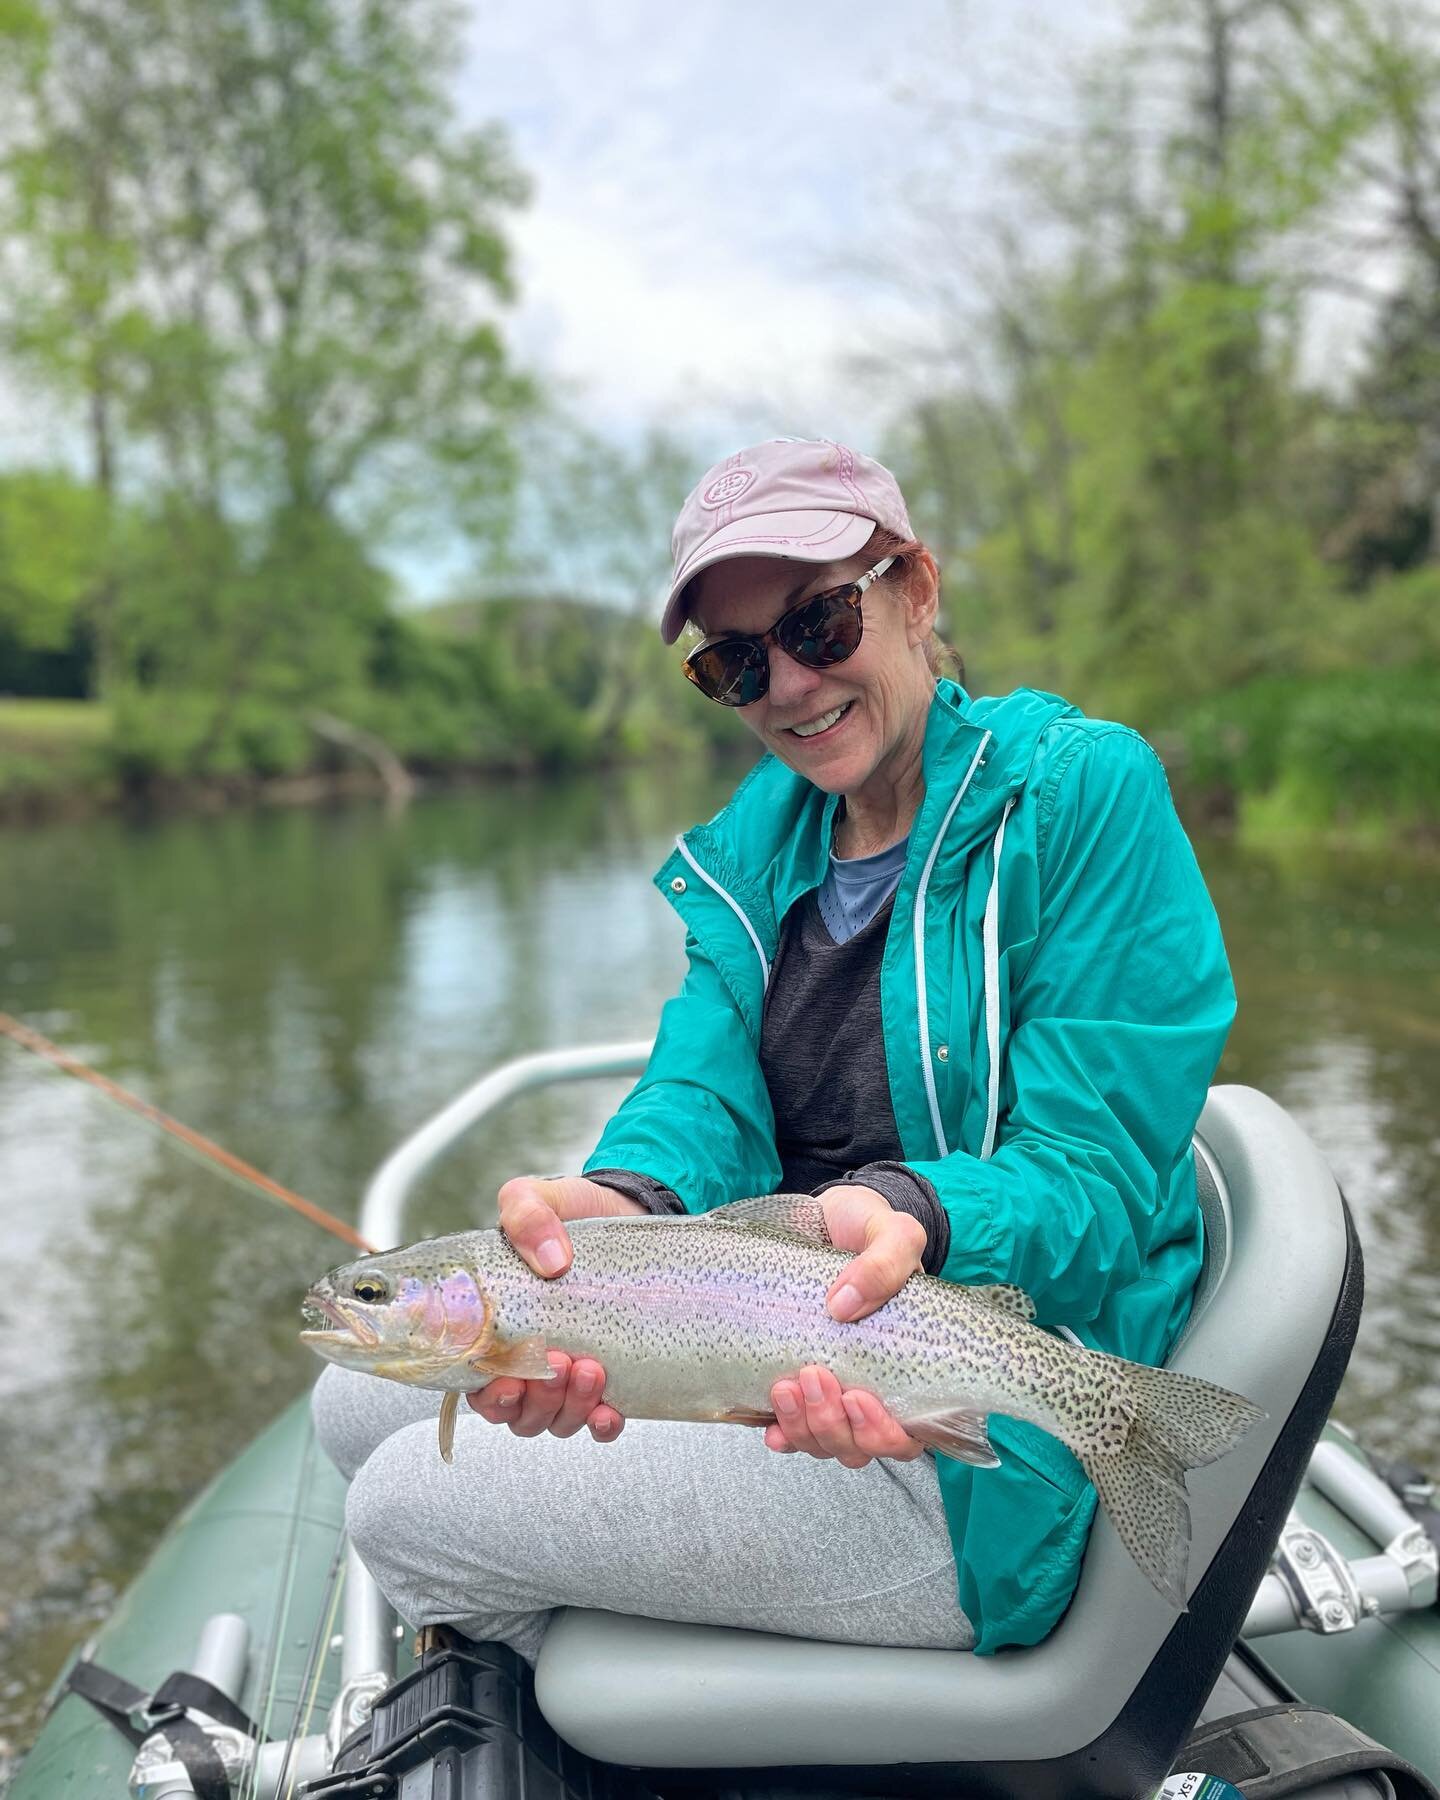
{"points": [[235, 1168]]}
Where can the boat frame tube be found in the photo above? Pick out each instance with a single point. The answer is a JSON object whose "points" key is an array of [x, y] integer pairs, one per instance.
{"points": [[1313, 1586]]}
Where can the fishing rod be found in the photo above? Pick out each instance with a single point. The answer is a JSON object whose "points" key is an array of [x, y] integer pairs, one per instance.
{"points": [[233, 1165]]}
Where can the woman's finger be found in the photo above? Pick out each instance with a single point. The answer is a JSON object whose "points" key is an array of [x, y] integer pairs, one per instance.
{"points": [[790, 1418], [499, 1401], [543, 1399], [582, 1396], [876, 1431], [533, 1226], [894, 1245], [605, 1424], [826, 1418]]}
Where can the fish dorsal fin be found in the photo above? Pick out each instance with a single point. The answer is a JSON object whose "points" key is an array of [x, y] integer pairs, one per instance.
{"points": [[960, 1434], [1004, 1297], [795, 1215]]}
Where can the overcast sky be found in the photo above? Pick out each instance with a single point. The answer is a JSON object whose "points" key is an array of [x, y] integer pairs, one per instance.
{"points": [[712, 179]]}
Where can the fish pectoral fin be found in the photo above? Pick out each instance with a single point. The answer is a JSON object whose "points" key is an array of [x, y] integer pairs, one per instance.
{"points": [[524, 1358], [793, 1215], [734, 1415], [449, 1412], [959, 1434], [1004, 1297]]}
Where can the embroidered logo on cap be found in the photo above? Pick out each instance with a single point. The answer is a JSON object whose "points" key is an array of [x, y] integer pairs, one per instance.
{"points": [[727, 487]]}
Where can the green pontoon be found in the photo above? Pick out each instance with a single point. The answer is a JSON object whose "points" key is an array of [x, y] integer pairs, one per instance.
{"points": [[254, 1657]]}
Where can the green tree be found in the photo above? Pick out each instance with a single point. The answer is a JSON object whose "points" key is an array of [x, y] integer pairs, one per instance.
{"points": [[1360, 88], [53, 542], [1122, 432], [254, 246], [599, 531]]}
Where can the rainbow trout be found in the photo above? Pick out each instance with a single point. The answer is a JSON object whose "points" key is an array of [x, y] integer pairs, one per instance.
{"points": [[696, 1318]]}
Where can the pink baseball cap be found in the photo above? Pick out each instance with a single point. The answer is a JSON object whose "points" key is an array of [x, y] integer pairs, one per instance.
{"points": [[806, 498]]}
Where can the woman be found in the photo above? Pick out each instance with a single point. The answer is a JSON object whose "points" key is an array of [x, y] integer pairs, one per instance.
{"points": [[952, 964]]}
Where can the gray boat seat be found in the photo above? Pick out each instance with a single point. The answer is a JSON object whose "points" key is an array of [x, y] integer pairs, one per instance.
{"points": [[1101, 1706]]}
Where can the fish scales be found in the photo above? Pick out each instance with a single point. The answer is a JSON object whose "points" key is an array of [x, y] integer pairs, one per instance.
{"points": [[697, 1318]]}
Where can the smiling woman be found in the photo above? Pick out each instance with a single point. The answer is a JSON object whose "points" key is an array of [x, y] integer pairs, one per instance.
{"points": [[953, 970]]}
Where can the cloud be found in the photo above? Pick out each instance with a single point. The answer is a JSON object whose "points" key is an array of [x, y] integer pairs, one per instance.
{"points": [[651, 333], [701, 174]]}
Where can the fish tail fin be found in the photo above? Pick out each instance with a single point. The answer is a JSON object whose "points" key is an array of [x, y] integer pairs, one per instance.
{"points": [[1178, 1423]]}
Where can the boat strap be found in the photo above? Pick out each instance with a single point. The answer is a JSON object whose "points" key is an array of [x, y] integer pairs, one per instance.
{"points": [[168, 1709], [1290, 1749]]}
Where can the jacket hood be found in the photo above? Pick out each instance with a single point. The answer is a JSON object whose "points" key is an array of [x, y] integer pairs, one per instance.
{"points": [[774, 807], [999, 736], [771, 842]]}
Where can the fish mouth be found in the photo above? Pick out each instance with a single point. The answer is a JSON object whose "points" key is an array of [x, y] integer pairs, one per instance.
{"points": [[332, 1323]]}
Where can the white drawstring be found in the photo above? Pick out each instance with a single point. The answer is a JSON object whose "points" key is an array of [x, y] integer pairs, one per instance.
{"points": [[922, 1004], [734, 906], [991, 941]]}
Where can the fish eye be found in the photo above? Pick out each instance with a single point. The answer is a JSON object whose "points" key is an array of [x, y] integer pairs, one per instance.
{"points": [[370, 1288]]}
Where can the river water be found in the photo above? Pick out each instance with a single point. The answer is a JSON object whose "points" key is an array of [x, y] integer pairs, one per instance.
{"points": [[306, 986]]}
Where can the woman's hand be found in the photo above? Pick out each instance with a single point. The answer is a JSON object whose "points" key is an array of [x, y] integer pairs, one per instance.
{"points": [[812, 1412], [531, 1215]]}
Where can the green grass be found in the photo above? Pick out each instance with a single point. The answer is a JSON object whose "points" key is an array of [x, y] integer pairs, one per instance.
{"points": [[51, 748], [57, 726]]}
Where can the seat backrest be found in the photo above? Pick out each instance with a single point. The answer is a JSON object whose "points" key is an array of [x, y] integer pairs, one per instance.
{"points": [[1219, 1228], [1100, 1707]]}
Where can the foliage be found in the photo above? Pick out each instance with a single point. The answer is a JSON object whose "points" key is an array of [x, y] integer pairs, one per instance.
{"points": [[52, 549], [253, 249], [1137, 497], [1359, 750], [257, 259], [49, 748]]}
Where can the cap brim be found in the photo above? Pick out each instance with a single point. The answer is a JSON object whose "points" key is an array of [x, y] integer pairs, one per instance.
{"points": [[818, 537]]}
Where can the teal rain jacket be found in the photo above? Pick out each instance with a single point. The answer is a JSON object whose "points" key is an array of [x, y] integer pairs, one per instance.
{"points": [[1054, 996]]}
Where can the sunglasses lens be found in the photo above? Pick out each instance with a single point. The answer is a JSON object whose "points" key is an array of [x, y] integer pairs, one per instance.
{"points": [[735, 673], [825, 630]]}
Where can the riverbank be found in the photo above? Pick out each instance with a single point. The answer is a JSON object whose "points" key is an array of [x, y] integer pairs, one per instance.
{"points": [[1348, 758], [53, 758], [59, 760], [1344, 759]]}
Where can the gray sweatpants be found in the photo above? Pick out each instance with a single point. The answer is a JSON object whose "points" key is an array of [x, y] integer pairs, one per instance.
{"points": [[694, 1522]]}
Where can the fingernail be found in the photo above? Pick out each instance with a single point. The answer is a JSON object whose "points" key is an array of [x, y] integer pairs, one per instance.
{"points": [[854, 1410], [810, 1387], [845, 1302], [506, 1401], [785, 1401], [585, 1382], [550, 1255]]}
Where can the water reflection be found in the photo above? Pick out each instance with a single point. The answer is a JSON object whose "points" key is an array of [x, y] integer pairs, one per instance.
{"points": [[1337, 961], [306, 986]]}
